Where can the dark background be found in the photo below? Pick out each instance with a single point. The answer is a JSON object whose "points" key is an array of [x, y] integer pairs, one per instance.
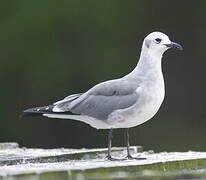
{"points": [[50, 49]]}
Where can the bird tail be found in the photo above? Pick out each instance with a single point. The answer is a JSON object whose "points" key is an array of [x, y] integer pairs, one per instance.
{"points": [[38, 111]]}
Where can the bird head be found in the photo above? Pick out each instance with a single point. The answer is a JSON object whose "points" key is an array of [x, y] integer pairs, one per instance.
{"points": [[157, 42]]}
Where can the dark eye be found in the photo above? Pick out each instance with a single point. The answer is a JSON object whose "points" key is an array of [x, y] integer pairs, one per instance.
{"points": [[158, 40]]}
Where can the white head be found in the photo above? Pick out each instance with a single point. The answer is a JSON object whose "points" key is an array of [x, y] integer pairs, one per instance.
{"points": [[157, 42]]}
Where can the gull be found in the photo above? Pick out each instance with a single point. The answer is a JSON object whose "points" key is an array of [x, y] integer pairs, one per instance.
{"points": [[120, 103]]}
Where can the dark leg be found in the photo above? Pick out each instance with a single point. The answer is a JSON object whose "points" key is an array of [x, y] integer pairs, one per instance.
{"points": [[109, 145], [109, 157], [127, 143], [129, 156]]}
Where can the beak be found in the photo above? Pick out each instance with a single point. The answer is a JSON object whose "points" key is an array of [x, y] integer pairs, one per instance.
{"points": [[174, 45]]}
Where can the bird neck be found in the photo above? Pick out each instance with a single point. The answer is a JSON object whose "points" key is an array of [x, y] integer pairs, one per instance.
{"points": [[149, 65]]}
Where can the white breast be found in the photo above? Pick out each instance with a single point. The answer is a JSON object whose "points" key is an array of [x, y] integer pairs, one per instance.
{"points": [[147, 105]]}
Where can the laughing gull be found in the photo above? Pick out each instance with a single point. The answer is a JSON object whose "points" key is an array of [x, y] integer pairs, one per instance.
{"points": [[120, 103]]}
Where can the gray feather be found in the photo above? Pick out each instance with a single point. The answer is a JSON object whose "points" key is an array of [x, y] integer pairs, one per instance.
{"points": [[103, 99], [68, 99]]}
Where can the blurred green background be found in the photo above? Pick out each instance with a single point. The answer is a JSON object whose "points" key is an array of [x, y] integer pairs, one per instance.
{"points": [[50, 49]]}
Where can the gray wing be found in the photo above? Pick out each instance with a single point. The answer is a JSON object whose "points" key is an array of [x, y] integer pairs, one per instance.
{"points": [[68, 99], [102, 99]]}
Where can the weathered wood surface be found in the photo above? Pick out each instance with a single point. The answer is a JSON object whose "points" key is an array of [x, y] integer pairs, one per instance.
{"points": [[16, 161]]}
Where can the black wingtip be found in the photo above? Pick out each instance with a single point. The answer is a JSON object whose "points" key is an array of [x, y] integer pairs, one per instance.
{"points": [[31, 113], [37, 111]]}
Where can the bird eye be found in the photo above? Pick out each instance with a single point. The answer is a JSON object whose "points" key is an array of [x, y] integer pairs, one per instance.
{"points": [[158, 40]]}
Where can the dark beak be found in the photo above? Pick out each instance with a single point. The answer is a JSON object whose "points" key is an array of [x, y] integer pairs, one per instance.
{"points": [[174, 45]]}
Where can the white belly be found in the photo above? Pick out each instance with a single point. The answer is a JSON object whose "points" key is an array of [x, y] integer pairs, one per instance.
{"points": [[146, 107]]}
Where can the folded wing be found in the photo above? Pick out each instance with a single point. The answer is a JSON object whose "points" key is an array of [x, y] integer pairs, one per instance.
{"points": [[100, 101]]}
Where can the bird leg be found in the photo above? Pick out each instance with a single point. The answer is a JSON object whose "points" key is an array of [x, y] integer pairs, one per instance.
{"points": [[129, 156], [109, 157], [109, 145]]}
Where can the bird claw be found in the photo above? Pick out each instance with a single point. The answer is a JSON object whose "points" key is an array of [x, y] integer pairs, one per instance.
{"points": [[130, 157], [115, 159]]}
